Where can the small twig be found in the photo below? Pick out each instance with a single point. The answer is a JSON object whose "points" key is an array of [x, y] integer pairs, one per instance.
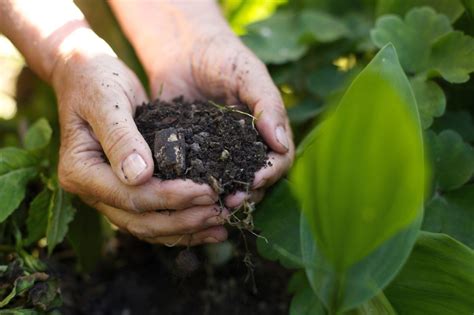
{"points": [[231, 109], [175, 243]]}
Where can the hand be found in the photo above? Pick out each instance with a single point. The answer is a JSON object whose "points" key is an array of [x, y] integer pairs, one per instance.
{"points": [[216, 65], [97, 96]]}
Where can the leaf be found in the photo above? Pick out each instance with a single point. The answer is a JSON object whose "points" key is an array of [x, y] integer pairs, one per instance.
{"points": [[38, 135], [87, 236], [453, 160], [304, 302], [430, 99], [377, 305], [322, 26], [438, 279], [14, 159], [469, 5], [277, 39], [13, 189], [412, 37], [363, 181], [452, 8], [343, 291], [61, 213], [304, 111], [38, 216], [453, 57], [278, 218], [452, 214], [458, 121]]}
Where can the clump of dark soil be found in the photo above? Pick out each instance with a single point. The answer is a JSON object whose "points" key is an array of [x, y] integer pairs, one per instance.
{"points": [[204, 142]]}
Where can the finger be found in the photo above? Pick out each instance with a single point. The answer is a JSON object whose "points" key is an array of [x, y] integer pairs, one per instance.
{"points": [[210, 235], [236, 200], [152, 224], [278, 165], [83, 171], [257, 90], [110, 116]]}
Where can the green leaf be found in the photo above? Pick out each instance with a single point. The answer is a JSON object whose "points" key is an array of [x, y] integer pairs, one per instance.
{"points": [[38, 216], [453, 160], [13, 159], [13, 189], [469, 5], [278, 219], [430, 99], [305, 302], [412, 37], [377, 305], [452, 8], [304, 111], [343, 291], [452, 214], [87, 245], [438, 279], [322, 26], [453, 57], [363, 180], [61, 213], [459, 121], [38, 135], [277, 39]]}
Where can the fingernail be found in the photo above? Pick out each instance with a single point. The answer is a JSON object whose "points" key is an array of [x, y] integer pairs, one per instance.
{"points": [[281, 136], [203, 201], [133, 166], [211, 240]]}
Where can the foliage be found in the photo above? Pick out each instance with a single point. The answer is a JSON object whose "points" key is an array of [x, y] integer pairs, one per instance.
{"points": [[366, 82], [372, 260]]}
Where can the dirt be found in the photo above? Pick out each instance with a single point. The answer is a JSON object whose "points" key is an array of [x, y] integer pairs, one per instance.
{"points": [[139, 278], [203, 141]]}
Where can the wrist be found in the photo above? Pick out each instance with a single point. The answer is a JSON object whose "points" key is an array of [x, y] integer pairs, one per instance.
{"points": [[79, 48]]}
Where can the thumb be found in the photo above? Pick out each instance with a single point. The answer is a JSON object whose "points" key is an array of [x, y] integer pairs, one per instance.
{"points": [[126, 149]]}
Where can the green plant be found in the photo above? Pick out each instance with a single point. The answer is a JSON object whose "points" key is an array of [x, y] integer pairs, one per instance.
{"points": [[350, 220]]}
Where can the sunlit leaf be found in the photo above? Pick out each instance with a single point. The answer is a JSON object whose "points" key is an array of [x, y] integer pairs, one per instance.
{"points": [[39, 135], [364, 180], [452, 214], [430, 99], [438, 279], [343, 291], [413, 37]]}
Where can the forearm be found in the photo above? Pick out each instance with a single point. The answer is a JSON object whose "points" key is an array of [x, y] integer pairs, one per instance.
{"points": [[44, 31], [161, 30]]}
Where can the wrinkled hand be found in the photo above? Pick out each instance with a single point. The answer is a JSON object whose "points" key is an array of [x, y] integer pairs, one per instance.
{"points": [[97, 95], [210, 65]]}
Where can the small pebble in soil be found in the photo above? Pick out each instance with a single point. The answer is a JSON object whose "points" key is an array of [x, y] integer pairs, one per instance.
{"points": [[203, 142]]}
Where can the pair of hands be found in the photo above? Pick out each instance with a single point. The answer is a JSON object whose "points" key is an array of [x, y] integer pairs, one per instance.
{"points": [[97, 97]]}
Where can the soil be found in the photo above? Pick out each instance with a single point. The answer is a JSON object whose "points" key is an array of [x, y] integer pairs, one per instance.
{"points": [[143, 279], [204, 142]]}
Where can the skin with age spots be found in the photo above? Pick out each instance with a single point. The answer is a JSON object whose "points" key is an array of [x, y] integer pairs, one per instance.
{"points": [[188, 48]]}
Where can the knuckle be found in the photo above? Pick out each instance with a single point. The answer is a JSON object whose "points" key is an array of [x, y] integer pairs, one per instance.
{"points": [[116, 138]]}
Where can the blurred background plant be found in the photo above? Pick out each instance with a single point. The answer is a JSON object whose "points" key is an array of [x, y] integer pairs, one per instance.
{"points": [[314, 49]]}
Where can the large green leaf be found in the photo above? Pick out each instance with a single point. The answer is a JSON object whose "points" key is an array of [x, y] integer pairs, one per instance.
{"points": [[363, 181], [344, 291], [16, 170], [38, 216], [278, 219], [38, 135], [452, 214], [61, 213], [453, 159], [452, 8], [412, 37], [438, 279]]}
